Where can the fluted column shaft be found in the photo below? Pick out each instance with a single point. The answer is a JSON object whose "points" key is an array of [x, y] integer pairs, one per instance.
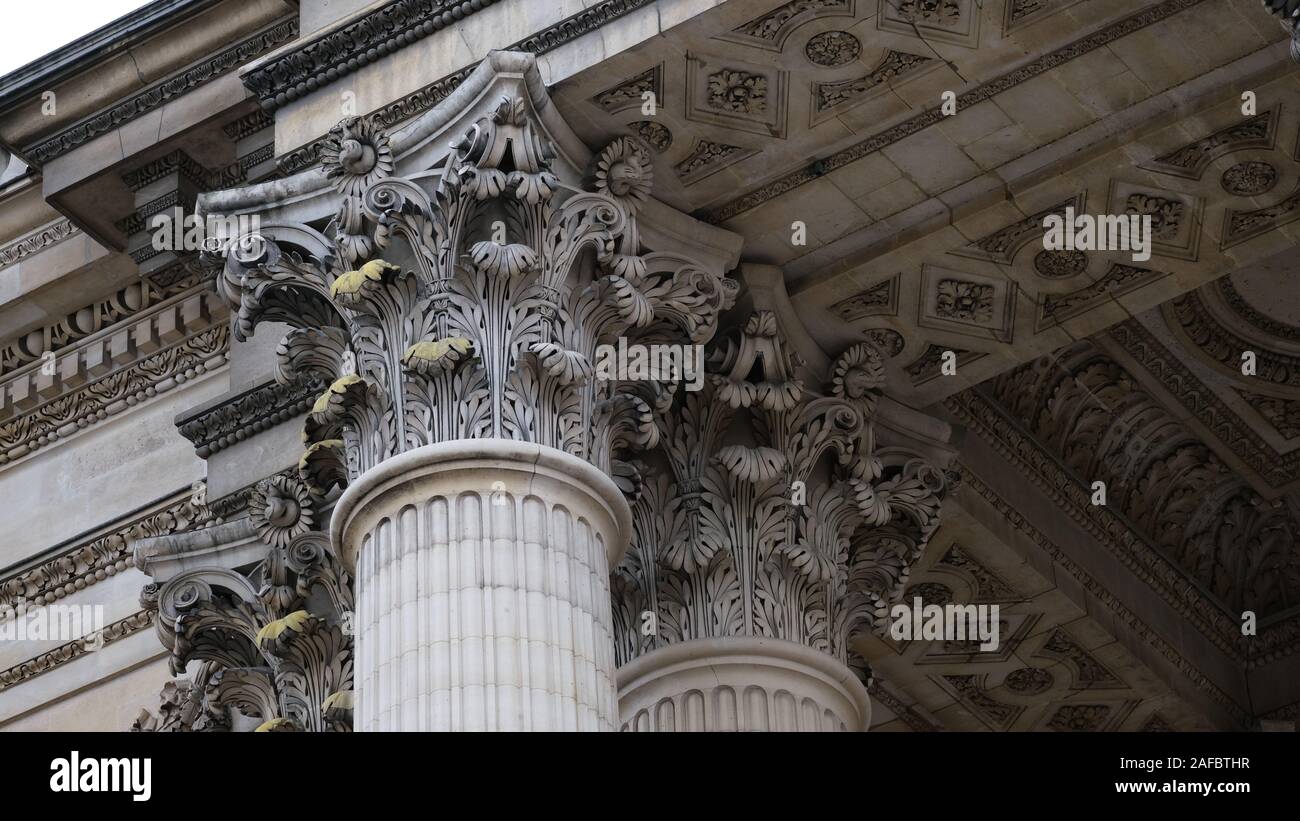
{"points": [[482, 574], [739, 684]]}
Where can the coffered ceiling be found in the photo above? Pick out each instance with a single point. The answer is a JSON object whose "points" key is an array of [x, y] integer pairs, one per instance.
{"points": [[924, 235]]}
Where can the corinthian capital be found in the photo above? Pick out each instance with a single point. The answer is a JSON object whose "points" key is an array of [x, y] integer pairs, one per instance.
{"points": [[768, 510], [463, 295]]}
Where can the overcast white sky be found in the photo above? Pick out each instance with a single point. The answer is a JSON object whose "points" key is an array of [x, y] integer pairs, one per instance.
{"points": [[32, 28]]}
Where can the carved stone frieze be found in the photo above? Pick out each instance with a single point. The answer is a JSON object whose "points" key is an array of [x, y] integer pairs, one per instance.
{"points": [[1191, 160], [951, 21], [1002, 245], [878, 300], [162, 92], [50, 407], [1119, 280], [985, 584], [971, 691], [42, 238], [631, 92], [1240, 226], [64, 653], [260, 408], [121, 389], [1280, 412], [1275, 467], [87, 563], [655, 135], [1222, 344], [1225, 632], [929, 364], [1087, 671], [97, 316], [1020, 13], [341, 51]]}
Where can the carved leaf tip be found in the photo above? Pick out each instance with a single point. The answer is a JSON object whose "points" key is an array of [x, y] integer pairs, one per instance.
{"points": [[351, 286], [435, 357], [293, 622]]}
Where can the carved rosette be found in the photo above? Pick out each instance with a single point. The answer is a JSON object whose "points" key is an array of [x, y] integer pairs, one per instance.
{"points": [[496, 284], [766, 510]]}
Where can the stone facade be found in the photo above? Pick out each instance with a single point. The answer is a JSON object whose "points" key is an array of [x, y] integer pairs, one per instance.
{"points": [[364, 442]]}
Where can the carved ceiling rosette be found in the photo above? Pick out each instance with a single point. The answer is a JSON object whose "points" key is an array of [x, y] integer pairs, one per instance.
{"points": [[498, 280], [766, 509]]}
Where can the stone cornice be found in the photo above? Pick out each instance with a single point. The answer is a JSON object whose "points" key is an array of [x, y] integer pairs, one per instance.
{"points": [[425, 98], [82, 53], [972, 484], [44, 237], [932, 116], [90, 560], [65, 653], [260, 408], [341, 51], [160, 93]]}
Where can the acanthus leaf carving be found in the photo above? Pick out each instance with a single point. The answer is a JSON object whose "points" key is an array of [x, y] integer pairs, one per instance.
{"points": [[770, 536], [509, 280]]}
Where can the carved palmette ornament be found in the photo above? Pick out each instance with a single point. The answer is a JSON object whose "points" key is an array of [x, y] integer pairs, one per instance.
{"points": [[796, 529], [497, 283], [272, 646]]}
